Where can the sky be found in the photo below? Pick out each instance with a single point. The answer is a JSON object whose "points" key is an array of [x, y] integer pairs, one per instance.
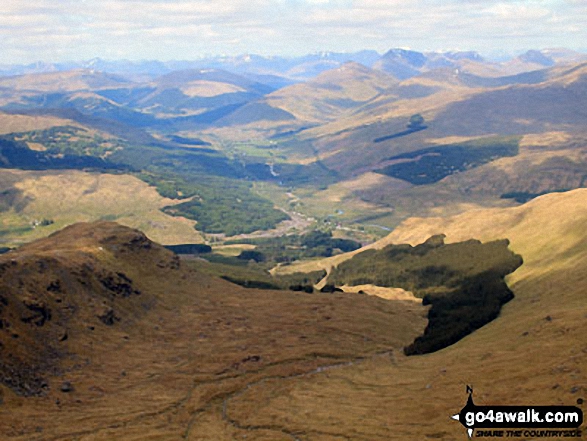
{"points": [[75, 30]]}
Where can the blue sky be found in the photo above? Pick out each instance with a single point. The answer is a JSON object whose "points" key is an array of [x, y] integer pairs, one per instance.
{"points": [[60, 30]]}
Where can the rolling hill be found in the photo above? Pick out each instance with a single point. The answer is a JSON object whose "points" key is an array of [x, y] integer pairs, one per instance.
{"points": [[452, 107], [349, 89], [204, 94], [15, 123], [188, 92], [331, 93], [69, 81], [69, 90], [542, 111], [114, 337], [68, 196], [318, 100]]}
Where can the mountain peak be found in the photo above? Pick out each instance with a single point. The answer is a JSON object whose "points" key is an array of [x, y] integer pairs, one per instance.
{"points": [[413, 58], [537, 57], [463, 55], [353, 65]]}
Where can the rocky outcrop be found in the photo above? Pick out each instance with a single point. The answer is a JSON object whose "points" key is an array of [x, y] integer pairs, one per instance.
{"points": [[61, 288]]}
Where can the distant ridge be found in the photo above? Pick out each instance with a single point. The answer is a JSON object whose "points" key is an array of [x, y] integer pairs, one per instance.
{"points": [[300, 68]]}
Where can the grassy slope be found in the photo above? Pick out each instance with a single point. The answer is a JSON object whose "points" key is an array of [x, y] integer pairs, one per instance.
{"points": [[73, 80], [185, 373], [73, 196], [547, 231], [329, 95], [23, 123], [521, 358], [487, 224], [453, 110], [183, 348], [548, 161], [340, 201]]}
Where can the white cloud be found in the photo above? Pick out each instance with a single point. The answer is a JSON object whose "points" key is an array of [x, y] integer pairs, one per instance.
{"points": [[74, 29], [517, 12]]}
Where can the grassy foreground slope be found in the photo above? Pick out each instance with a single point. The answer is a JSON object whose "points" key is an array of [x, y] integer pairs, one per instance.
{"points": [[107, 336], [534, 353], [196, 358]]}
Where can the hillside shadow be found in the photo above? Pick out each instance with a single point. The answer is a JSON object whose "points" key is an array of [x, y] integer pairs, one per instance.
{"points": [[400, 134]]}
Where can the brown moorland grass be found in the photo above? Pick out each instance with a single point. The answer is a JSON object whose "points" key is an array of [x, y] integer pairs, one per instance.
{"points": [[534, 353], [204, 88], [188, 368], [182, 347], [24, 123]]}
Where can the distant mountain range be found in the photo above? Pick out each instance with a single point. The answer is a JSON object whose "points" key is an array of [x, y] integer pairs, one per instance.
{"points": [[226, 91], [317, 120], [297, 68], [279, 71]]}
